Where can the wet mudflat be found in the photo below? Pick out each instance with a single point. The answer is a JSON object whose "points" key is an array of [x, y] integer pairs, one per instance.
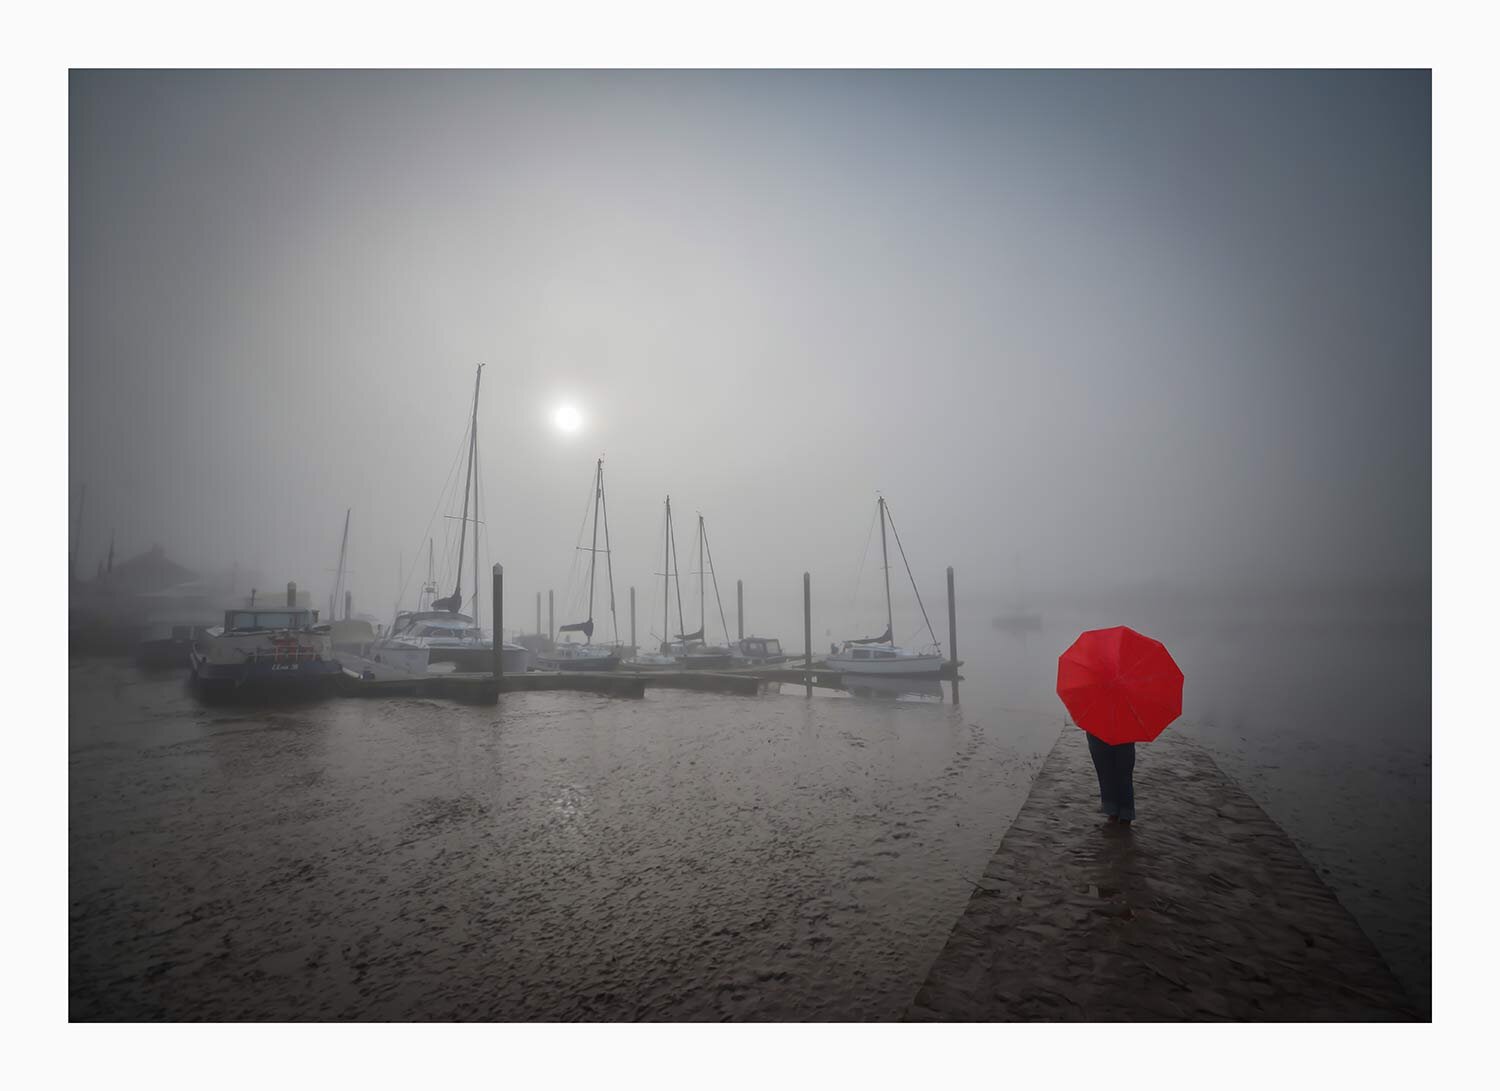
{"points": [[559, 856]]}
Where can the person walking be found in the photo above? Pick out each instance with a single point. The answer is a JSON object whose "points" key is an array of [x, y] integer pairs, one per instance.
{"points": [[1115, 766], [1122, 688]]}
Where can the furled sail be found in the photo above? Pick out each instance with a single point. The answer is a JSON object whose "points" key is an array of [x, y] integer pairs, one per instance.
{"points": [[584, 627], [451, 603], [883, 638], [691, 636]]}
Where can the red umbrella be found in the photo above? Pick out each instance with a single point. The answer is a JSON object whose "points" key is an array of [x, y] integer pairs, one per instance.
{"points": [[1119, 685]]}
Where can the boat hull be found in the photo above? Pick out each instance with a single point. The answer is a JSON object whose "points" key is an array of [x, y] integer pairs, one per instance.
{"points": [[579, 663], [480, 660], [904, 666], [652, 663], [310, 678]]}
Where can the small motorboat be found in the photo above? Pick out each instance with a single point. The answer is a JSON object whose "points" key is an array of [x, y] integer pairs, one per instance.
{"points": [[269, 650], [758, 651]]}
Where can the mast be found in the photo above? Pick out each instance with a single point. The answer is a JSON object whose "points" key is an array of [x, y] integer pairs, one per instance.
{"points": [[594, 548], [890, 629], [430, 587], [609, 562], [463, 526], [474, 455], [666, 577], [338, 576], [718, 599], [914, 589], [676, 571]]}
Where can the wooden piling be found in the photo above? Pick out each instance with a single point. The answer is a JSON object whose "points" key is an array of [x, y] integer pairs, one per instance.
{"points": [[952, 635], [538, 613], [739, 594], [551, 621], [632, 621], [497, 604], [348, 605], [807, 628]]}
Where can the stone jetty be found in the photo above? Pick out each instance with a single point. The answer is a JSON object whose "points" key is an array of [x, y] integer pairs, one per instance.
{"points": [[1203, 910]]}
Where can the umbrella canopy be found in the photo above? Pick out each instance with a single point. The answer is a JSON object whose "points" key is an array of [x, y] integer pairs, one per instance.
{"points": [[1120, 686]]}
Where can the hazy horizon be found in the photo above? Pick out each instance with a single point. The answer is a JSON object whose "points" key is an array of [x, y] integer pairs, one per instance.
{"points": [[1089, 329]]}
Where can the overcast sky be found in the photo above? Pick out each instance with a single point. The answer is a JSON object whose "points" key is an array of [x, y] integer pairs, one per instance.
{"points": [[1081, 329]]}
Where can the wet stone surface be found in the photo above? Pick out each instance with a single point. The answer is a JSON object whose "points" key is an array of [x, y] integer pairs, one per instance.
{"points": [[1204, 909]]}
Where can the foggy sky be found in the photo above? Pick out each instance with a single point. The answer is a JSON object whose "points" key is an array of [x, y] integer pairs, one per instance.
{"points": [[1081, 329]]}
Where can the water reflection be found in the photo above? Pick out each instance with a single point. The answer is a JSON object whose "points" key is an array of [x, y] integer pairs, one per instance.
{"points": [[896, 689]]}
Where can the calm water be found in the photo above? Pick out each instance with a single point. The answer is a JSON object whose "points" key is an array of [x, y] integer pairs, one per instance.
{"points": [[686, 856]]}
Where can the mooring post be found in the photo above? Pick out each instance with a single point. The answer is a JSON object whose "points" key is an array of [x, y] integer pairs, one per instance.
{"points": [[952, 635], [291, 595], [807, 628], [348, 605], [497, 609], [551, 621], [538, 613], [739, 594], [632, 621]]}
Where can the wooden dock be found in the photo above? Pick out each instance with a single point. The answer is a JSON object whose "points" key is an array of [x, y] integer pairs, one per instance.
{"points": [[479, 687], [828, 677], [1204, 909]]}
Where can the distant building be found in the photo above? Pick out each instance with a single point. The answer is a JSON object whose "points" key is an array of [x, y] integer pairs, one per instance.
{"points": [[149, 571]]}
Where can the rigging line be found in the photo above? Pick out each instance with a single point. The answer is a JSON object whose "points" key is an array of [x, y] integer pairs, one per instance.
{"points": [[479, 528], [909, 576], [609, 561], [594, 543], [715, 576], [571, 586], [468, 474], [676, 575], [442, 494]]}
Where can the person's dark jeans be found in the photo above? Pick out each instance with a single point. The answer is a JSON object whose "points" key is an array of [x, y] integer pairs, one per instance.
{"points": [[1116, 767]]}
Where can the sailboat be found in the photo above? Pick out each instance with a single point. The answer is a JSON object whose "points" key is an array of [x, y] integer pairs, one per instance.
{"points": [[664, 658], [440, 638], [572, 655], [879, 654], [350, 636], [693, 650]]}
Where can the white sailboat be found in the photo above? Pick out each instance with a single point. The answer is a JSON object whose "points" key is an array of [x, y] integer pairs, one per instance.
{"points": [[693, 650], [879, 655], [665, 657], [584, 655], [438, 637]]}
